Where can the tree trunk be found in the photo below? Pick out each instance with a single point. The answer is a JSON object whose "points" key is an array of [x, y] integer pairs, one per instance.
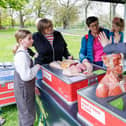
{"points": [[86, 11], [0, 21], [1, 27], [12, 22], [11, 15], [21, 19], [65, 23]]}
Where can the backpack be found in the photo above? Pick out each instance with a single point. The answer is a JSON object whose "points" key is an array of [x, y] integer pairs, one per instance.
{"points": [[86, 36]]}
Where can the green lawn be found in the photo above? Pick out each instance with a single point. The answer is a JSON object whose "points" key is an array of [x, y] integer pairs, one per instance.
{"points": [[7, 41]]}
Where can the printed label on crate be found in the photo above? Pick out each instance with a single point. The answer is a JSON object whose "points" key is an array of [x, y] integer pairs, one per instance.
{"points": [[93, 111], [11, 85], [47, 75]]}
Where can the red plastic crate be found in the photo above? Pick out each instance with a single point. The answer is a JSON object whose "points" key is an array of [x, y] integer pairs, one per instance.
{"points": [[66, 90], [7, 93], [97, 114]]}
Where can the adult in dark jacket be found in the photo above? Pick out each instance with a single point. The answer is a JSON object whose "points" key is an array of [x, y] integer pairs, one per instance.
{"points": [[49, 43]]}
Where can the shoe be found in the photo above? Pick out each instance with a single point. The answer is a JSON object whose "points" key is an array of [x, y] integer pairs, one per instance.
{"points": [[2, 121]]}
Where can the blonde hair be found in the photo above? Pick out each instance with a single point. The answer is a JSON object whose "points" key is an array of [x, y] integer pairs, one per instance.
{"points": [[20, 34], [119, 22]]}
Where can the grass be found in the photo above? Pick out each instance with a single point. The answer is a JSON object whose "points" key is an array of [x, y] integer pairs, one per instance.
{"points": [[7, 42], [11, 115]]}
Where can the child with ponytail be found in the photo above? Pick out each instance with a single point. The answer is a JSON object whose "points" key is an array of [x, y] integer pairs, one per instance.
{"points": [[24, 78]]}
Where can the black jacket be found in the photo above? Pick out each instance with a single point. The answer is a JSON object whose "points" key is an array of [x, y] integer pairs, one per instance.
{"points": [[48, 53]]}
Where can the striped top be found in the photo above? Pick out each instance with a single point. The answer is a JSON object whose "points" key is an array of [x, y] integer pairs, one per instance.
{"points": [[50, 38]]}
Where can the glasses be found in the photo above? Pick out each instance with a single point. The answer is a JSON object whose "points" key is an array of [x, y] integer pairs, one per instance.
{"points": [[94, 25]]}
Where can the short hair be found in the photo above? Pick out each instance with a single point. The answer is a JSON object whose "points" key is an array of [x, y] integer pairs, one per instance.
{"points": [[90, 20], [44, 24]]}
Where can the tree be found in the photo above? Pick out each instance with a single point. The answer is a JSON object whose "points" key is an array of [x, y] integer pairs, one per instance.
{"points": [[42, 7], [14, 4], [85, 4], [66, 11]]}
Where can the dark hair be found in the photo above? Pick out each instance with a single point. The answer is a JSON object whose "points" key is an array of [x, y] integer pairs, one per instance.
{"points": [[90, 20], [44, 24]]}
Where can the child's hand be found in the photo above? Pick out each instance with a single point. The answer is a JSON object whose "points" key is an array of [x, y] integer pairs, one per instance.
{"points": [[117, 37], [38, 65], [36, 55], [37, 92], [104, 40], [70, 57]]}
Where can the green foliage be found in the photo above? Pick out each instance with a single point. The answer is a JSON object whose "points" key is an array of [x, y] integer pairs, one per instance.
{"points": [[42, 7], [3, 3], [62, 14], [15, 4]]}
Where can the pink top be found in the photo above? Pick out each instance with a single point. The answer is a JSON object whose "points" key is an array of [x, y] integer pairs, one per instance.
{"points": [[97, 50]]}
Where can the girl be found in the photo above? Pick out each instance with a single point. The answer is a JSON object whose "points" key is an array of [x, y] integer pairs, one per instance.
{"points": [[24, 78], [117, 30]]}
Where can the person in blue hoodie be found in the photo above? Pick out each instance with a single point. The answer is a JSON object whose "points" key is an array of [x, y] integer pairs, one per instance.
{"points": [[91, 49], [116, 33]]}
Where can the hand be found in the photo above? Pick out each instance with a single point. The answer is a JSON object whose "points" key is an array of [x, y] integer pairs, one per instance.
{"points": [[36, 55], [37, 92], [117, 37], [70, 57], [85, 60], [38, 65], [104, 40], [88, 66]]}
